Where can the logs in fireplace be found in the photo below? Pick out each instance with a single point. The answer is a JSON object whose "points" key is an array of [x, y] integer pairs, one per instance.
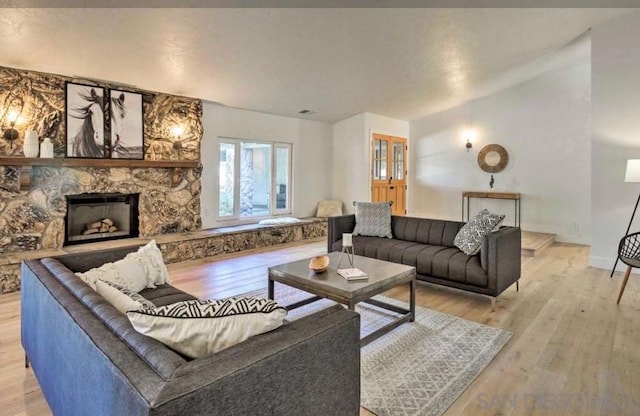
{"points": [[105, 225], [98, 217]]}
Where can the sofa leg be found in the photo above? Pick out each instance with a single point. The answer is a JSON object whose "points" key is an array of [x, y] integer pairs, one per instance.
{"points": [[517, 286], [27, 364], [493, 304]]}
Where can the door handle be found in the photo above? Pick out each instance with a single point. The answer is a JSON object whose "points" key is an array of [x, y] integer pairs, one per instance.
{"points": [[390, 179]]}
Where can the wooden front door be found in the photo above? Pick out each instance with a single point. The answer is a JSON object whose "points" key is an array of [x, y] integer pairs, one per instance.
{"points": [[389, 171]]}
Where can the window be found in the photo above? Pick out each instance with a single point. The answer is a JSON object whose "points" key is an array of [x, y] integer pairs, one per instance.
{"points": [[283, 177], [255, 179]]}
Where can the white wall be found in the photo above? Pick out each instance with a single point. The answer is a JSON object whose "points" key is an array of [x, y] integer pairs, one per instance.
{"points": [[351, 154], [544, 126], [350, 161], [312, 155], [616, 133]]}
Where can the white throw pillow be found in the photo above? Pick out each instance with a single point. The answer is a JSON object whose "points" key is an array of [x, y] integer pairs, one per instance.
{"points": [[149, 258], [469, 238], [196, 328], [119, 300], [126, 273]]}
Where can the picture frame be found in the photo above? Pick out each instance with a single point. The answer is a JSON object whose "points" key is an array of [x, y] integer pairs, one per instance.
{"points": [[126, 125], [84, 115]]}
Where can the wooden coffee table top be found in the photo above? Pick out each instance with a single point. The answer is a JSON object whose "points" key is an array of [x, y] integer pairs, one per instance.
{"points": [[383, 275]]}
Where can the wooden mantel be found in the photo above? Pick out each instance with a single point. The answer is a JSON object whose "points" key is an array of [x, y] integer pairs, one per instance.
{"points": [[96, 163], [26, 163]]}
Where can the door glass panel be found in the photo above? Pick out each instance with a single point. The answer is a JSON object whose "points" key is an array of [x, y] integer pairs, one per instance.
{"points": [[398, 160], [226, 178], [376, 159], [383, 159]]}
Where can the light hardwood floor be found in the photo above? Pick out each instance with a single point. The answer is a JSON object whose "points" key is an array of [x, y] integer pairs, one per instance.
{"points": [[573, 350]]}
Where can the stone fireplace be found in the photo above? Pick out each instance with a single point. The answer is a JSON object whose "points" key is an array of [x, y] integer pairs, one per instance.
{"points": [[95, 217]]}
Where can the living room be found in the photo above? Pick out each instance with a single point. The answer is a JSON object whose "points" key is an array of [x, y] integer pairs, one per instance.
{"points": [[551, 86]]}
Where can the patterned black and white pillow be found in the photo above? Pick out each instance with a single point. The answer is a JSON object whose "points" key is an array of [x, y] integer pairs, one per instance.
{"points": [[373, 219], [469, 238], [199, 327]]}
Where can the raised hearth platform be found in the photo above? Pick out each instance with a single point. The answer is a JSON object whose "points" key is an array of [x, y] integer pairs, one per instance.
{"points": [[179, 247]]}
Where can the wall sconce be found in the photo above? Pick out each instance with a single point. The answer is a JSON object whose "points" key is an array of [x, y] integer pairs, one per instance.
{"points": [[11, 134], [469, 135], [176, 132]]}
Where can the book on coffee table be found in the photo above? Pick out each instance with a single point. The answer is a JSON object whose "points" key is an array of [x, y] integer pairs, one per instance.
{"points": [[353, 274]]}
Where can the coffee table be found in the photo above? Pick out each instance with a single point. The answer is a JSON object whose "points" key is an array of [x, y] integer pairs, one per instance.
{"points": [[383, 275]]}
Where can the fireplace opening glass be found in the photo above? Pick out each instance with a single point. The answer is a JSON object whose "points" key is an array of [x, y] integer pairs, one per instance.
{"points": [[99, 217]]}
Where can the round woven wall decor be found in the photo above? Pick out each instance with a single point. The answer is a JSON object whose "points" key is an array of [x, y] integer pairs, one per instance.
{"points": [[493, 158]]}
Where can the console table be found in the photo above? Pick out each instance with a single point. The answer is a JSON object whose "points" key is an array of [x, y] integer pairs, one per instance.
{"points": [[514, 196]]}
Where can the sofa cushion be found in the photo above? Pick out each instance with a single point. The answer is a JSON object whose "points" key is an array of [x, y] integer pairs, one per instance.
{"points": [[385, 246], [163, 295], [373, 219], [469, 238], [197, 328]]}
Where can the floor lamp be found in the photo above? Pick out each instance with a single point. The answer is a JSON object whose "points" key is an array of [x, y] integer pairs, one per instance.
{"points": [[632, 174]]}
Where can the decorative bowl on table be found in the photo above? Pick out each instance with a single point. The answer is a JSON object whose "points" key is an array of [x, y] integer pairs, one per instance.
{"points": [[319, 264]]}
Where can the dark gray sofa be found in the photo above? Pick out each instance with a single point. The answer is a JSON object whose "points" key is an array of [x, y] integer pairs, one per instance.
{"points": [[89, 360], [428, 246]]}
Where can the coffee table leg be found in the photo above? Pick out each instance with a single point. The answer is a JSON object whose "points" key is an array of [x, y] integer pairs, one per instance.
{"points": [[270, 290], [412, 299]]}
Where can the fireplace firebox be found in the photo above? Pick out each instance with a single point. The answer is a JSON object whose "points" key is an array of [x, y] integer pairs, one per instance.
{"points": [[99, 217]]}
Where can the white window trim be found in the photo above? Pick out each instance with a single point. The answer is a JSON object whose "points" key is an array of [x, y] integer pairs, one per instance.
{"points": [[236, 219], [287, 210]]}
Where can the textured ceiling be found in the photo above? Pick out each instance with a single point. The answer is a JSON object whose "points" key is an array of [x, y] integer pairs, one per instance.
{"points": [[403, 63]]}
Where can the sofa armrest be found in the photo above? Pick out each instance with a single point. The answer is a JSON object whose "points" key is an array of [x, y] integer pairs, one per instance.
{"points": [[500, 257], [337, 226], [310, 366]]}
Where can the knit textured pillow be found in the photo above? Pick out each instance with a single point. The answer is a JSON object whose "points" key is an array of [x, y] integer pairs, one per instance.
{"points": [[373, 219], [469, 238]]}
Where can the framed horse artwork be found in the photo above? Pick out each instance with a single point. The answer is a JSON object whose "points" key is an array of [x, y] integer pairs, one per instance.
{"points": [[85, 121], [126, 125]]}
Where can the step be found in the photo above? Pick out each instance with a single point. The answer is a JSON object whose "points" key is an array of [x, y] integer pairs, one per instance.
{"points": [[533, 243]]}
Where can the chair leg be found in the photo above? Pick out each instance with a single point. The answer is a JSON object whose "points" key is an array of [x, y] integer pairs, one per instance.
{"points": [[27, 364], [624, 283]]}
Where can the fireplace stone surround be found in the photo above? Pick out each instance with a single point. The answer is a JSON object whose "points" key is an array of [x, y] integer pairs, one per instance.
{"points": [[34, 219]]}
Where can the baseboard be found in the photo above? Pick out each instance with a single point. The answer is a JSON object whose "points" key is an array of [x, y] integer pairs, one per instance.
{"points": [[607, 264]]}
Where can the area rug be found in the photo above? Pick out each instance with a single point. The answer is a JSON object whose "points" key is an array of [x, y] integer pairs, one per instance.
{"points": [[419, 368]]}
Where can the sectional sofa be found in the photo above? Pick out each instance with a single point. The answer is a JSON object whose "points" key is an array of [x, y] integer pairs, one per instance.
{"points": [[89, 360], [428, 245]]}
